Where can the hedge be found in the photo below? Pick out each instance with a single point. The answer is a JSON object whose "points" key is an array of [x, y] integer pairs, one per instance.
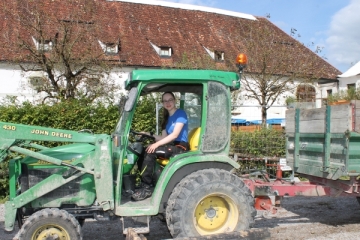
{"points": [[72, 115], [102, 118]]}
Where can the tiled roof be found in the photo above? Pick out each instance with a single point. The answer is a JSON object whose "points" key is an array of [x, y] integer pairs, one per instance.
{"points": [[186, 31]]}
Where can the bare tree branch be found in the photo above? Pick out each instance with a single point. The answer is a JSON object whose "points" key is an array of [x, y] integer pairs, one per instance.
{"points": [[61, 44], [275, 65]]}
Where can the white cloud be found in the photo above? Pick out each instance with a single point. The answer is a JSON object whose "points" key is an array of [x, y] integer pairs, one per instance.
{"points": [[344, 36]]}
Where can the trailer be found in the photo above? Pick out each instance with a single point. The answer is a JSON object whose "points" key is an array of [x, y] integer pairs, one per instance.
{"points": [[322, 146]]}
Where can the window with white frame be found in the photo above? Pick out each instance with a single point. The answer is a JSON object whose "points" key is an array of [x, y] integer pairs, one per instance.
{"points": [[162, 51], [217, 55], [329, 92], [352, 85], [37, 80], [165, 51], [109, 48], [43, 45]]}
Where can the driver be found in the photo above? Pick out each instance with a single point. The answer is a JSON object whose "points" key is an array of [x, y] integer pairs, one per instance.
{"points": [[173, 140]]}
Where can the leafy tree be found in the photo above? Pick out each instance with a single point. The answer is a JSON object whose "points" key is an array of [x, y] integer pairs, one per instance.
{"points": [[63, 45]]}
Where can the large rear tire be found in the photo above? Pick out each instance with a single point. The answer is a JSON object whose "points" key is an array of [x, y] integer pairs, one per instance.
{"points": [[209, 201], [51, 224]]}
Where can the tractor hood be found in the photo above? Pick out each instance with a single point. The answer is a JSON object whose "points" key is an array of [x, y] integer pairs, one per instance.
{"points": [[66, 153]]}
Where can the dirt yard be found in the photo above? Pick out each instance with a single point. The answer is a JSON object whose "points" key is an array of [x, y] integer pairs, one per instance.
{"points": [[299, 218]]}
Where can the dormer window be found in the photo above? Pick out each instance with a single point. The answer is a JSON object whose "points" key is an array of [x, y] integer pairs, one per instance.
{"points": [[165, 51], [218, 56], [162, 51], [109, 48], [43, 45]]}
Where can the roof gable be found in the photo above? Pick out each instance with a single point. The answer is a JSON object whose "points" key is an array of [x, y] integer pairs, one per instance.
{"points": [[351, 72]]}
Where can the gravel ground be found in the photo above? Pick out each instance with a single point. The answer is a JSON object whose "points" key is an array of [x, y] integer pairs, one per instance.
{"points": [[311, 218]]}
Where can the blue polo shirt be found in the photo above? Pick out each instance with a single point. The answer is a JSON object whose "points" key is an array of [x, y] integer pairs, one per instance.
{"points": [[179, 116]]}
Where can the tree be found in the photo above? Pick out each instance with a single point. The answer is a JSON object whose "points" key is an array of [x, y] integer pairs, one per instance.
{"points": [[63, 41], [276, 63]]}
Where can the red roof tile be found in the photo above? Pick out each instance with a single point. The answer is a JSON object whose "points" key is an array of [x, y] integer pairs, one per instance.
{"points": [[187, 32]]}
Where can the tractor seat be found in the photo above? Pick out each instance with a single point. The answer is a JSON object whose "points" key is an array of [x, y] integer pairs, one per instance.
{"points": [[194, 136]]}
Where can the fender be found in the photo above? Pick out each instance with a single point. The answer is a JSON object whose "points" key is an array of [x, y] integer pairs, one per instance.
{"points": [[182, 166], [178, 167]]}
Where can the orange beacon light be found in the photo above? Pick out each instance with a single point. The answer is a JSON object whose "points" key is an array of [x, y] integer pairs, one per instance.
{"points": [[241, 61]]}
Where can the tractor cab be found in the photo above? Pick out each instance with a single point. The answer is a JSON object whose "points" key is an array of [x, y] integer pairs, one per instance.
{"points": [[203, 94]]}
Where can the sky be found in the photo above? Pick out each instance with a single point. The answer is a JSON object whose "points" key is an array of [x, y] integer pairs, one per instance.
{"points": [[332, 26]]}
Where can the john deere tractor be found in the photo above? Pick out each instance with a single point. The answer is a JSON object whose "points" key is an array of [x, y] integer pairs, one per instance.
{"points": [[54, 190]]}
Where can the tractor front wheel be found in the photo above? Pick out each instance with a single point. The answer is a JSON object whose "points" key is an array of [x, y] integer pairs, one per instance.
{"points": [[51, 224], [209, 201]]}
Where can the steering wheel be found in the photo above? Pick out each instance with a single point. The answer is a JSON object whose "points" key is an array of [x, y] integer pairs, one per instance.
{"points": [[143, 136]]}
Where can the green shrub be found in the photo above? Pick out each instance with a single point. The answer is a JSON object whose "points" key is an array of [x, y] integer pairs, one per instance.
{"points": [[265, 142], [145, 114], [348, 94], [72, 115], [252, 148]]}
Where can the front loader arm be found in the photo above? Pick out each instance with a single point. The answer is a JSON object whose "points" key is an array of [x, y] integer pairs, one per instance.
{"points": [[14, 138], [36, 133], [4, 146]]}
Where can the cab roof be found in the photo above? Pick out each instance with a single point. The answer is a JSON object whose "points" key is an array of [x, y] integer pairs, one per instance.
{"points": [[230, 79]]}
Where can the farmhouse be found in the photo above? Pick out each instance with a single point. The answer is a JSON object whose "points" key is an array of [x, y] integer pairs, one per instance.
{"points": [[135, 34]]}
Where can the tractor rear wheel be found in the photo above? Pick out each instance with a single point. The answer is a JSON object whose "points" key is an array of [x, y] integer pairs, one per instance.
{"points": [[52, 224], [209, 201]]}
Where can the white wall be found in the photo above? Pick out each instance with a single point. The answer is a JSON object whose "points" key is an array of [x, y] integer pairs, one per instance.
{"points": [[250, 109], [325, 87], [14, 82], [343, 82]]}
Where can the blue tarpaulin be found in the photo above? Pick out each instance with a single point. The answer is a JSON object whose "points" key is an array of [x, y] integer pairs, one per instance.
{"points": [[268, 121], [257, 122], [275, 121], [238, 121]]}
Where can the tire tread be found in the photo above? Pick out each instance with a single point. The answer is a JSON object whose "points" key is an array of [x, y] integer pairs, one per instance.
{"points": [[46, 213], [178, 199]]}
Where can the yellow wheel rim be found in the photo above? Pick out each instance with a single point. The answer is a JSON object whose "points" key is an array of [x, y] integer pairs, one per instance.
{"points": [[215, 213], [50, 232]]}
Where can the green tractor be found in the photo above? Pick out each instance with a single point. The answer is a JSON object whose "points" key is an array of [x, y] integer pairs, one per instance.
{"points": [[54, 190]]}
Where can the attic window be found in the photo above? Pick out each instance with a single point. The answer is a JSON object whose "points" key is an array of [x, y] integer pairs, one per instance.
{"points": [[219, 56], [162, 51], [44, 45], [109, 48], [216, 55], [165, 51]]}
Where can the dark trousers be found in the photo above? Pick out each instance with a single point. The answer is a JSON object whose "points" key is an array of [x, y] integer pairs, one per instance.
{"points": [[162, 152]]}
